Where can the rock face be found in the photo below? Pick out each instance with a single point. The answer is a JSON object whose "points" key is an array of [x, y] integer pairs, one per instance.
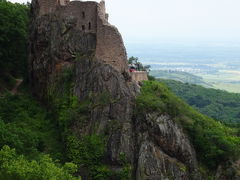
{"points": [[61, 37], [165, 151], [115, 118], [229, 170]]}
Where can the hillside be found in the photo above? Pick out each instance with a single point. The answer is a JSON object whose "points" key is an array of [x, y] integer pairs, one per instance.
{"points": [[218, 104], [36, 131], [13, 44], [155, 97]]}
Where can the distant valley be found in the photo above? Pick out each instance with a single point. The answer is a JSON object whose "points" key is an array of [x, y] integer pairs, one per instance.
{"points": [[215, 65]]}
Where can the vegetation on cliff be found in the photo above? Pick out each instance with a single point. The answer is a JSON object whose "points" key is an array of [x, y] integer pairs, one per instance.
{"points": [[14, 166], [27, 135], [134, 61], [213, 141], [86, 151]]}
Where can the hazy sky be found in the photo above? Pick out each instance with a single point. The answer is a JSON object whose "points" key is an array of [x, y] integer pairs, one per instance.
{"points": [[175, 19]]}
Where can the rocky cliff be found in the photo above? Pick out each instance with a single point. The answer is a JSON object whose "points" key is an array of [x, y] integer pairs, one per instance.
{"points": [[153, 145]]}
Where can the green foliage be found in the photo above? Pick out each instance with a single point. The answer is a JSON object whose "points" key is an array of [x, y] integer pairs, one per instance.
{"points": [[68, 108], [218, 104], [213, 141], [126, 171], [138, 65], [151, 78], [60, 91], [165, 103], [13, 166], [88, 153], [27, 127], [61, 99], [13, 40]]}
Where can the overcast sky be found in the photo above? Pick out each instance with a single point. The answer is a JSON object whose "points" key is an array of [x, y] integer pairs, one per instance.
{"points": [[175, 19]]}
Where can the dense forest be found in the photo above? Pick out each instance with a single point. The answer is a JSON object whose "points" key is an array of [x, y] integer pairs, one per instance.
{"points": [[29, 139], [34, 140], [14, 20], [218, 104]]}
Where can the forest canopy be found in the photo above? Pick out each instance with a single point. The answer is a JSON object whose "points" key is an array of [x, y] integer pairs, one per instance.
{"points": [[218, 104], [14, 19]]}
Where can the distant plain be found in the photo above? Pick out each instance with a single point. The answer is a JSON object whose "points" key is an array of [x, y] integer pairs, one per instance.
{"points": [[216, 62]]}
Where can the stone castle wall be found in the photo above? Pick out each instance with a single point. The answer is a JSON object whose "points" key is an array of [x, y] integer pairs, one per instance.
{"points": [[47, 6], [84, 12], [110, 46], [91, 17], [139, 76]]}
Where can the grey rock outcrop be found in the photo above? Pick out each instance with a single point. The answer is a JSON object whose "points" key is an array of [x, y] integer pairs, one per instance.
{"points": [[165, 151], [114, 118], [229, 170]]}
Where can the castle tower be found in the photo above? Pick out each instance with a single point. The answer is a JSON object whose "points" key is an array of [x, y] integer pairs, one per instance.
{"points": [[49, 6], [103, 10], [46, 6]]}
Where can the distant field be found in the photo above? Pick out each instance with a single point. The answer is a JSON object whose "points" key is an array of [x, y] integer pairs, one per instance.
{"points": [[222, 76], [224, 79], [179, 76], [235, 88]]}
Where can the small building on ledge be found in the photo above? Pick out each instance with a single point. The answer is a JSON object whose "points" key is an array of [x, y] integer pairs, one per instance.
{"points": [[139, 76]]}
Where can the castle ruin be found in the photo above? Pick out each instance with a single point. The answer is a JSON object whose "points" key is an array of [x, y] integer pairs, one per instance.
{"points": [[91, 18]]}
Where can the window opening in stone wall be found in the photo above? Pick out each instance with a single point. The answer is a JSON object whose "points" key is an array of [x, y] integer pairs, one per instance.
{"points": [[83, 27], [89, 26], [83, 14]]}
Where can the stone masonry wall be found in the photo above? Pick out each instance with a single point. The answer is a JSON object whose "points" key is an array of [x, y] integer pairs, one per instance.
{"points": [[110, 46], [84, 12], [91, 17], [139, 76], [47, 6]]}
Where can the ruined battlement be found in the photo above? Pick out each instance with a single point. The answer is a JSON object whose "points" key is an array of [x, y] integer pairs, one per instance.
{"points": [[49, 6], [90, 17], [88, 20]]}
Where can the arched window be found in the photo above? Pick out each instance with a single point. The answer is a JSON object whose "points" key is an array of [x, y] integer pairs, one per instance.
{"points": [[83, 27], [89, 26], [83, 15]]}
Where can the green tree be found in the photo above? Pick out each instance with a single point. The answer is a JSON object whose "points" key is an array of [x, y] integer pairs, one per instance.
{"points": [[13, 166], [138, 65], [13, 38]]}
